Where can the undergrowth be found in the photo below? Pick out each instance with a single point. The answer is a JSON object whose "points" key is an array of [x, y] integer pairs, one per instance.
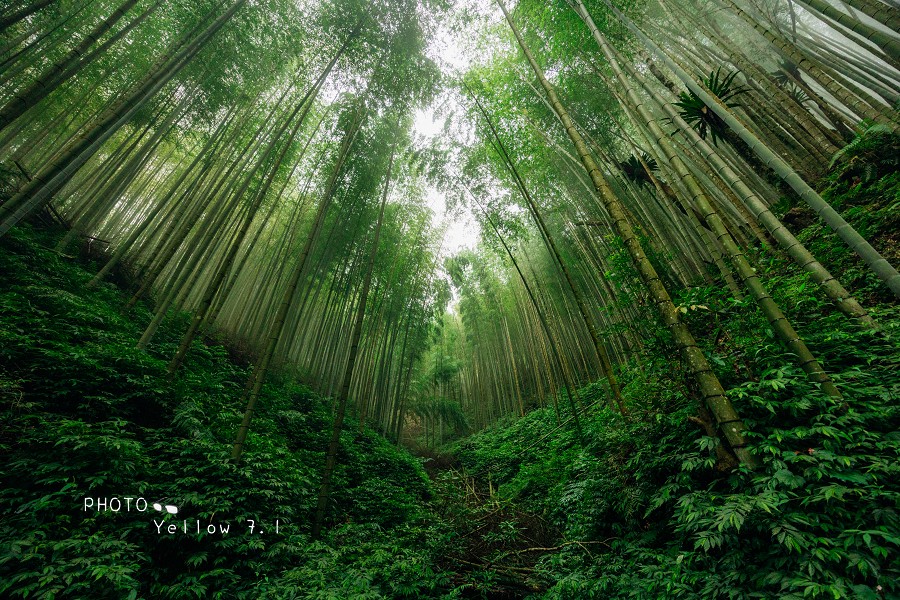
{"points": [[654, 518], [523, 509], [642, 510], [85, 415]]}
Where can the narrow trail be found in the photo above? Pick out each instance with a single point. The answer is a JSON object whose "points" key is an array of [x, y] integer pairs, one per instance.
{"points": [[498, 545]]}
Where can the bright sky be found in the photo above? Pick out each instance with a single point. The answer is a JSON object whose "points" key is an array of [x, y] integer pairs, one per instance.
{"points": [[462, 230]]}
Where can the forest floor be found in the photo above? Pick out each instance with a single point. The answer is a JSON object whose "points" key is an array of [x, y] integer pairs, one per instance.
{"points": [[635, 509], [85, 415], [496, 539]]}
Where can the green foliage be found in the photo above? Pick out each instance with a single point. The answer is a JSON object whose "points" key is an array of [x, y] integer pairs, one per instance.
{"points": [[442, 410], [635, 171], [85, 415], [798, 94], [697, 114], [864, 186], [642, 510], [874, 152], [653, 516]]}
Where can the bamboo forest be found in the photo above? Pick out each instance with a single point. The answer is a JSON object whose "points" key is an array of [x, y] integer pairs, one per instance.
{"points": [[358, 299]]}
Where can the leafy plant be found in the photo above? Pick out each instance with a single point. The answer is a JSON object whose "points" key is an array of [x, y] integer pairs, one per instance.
{"points": [[797, 93], [873, 153], [85, 415], [700, 116], [635, 171], [651, 517]]}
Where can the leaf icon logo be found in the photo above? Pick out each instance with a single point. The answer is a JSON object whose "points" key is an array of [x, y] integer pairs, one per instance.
{"points": [[172, 510]]}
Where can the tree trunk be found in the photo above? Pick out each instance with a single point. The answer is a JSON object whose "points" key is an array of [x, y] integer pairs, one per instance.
{"points": [[256, 380], [8, 21], [888, 44], [60, 72], [885, 13], [54, 176], [331, 457], [602, 354], [223, 269], [710, 387], [870, 256], [885, 115]]}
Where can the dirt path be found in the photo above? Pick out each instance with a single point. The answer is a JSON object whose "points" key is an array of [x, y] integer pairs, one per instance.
{"points": [[497, 545]]}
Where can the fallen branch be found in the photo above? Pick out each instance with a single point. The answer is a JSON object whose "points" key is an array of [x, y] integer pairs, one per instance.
{"points": [[563, 545]]}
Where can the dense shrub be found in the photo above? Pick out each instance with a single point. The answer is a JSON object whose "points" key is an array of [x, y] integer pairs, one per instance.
{"points": [[634, 507], [86, 415], [819, 520]]}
